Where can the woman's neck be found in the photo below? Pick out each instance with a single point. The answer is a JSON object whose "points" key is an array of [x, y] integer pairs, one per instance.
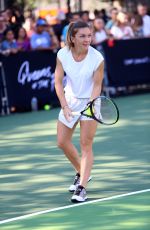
{"points": [[79, 54]]}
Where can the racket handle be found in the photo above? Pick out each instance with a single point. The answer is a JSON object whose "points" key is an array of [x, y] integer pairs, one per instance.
{"points": [[76, 113]]}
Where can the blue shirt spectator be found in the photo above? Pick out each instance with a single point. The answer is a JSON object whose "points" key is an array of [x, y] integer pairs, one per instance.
{"points": [[64, 33], [41, 38], [9, 45]]}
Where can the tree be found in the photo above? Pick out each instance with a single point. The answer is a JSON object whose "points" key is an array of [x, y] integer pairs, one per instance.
{"points": [[20, 3]]}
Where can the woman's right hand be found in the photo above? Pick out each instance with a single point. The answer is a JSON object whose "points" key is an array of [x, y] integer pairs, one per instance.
{"points": [[67, 113]]}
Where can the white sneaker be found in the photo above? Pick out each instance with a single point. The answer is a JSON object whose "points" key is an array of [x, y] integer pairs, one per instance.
{"points": [[79, 195], [76, 182]]}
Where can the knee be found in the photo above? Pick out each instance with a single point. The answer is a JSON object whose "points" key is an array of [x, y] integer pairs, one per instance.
{"points": [[86, 145], [63, 143], [60, 144]]}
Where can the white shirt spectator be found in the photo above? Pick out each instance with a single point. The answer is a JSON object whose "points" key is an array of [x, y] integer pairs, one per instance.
{"points": [[100, 36], [122, 33]]}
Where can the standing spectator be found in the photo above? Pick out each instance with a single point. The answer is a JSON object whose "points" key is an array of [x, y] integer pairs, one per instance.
{"points": [[9, 45], [23, 41], [121, 30], [85, 16], [15, 19], [104, 15], [112, 21], [72, 17], [58, 27], [137, 26], [142, 11], [41, 38], [54, 39], [3, 27], [30, 26], [99, 34]]}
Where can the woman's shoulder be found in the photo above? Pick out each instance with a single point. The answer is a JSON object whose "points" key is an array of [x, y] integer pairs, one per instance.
{"points": [[95, 53], [63, 52], [65, 49]]}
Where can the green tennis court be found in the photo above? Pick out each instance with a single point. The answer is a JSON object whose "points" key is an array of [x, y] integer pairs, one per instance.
{"points": [[35, 175]]}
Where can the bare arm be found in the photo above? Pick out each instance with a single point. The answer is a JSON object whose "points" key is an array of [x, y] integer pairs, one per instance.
{"points": [[98, 78], [59, 75]]}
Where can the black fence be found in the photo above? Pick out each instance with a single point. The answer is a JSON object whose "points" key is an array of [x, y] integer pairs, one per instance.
{"points": [[128, 61], [31, 74]]}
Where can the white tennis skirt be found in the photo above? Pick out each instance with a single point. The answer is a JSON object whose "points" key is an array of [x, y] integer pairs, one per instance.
{"points": [[76, 105]]}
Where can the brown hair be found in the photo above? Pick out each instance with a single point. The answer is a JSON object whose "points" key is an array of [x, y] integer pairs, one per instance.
{"points": [[73, 29]]}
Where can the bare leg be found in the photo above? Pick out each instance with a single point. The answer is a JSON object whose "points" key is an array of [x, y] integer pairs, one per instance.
{"points": [[88, 129], [64, 139]]}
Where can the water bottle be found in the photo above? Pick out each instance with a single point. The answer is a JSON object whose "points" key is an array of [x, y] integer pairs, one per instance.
{"points": [[34, 104]]}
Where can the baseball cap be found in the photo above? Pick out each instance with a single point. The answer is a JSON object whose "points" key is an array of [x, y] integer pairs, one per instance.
{"points": [[41, 22]]}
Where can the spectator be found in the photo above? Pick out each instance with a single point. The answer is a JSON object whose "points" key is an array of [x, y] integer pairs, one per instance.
{"points": [[58, 27], [99, 34], [142, 11], [30, 25], [121, 30], [112, 21], [23, 41], [96, 13], [6, 19], [3, 27], [54, 39], [41, 38], [9, 45], [104, 15], [85, 16], [137, 26], [72, 17]]}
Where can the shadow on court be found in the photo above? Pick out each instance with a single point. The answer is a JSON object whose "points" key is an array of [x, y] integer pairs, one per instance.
{"points": [[124, 213], [35, 175]]}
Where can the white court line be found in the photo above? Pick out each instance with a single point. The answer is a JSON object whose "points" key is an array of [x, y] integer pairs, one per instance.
{"points": [[72, 206]]}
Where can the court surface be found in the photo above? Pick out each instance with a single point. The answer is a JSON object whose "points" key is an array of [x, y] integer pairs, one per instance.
{"points": [[35, 175]]}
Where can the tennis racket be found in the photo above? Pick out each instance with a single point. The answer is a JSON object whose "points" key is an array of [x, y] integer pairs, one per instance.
{"points": [[102, 109]]}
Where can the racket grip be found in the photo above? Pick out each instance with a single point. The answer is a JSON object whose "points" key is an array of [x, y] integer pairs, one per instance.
{"points": [[76, 113]]}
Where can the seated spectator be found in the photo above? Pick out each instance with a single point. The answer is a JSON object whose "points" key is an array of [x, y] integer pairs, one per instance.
{"points": [[9, 44], [112, 21], [23, 41], [41, 38], [122, 30], [99, 34], [142, 11]]}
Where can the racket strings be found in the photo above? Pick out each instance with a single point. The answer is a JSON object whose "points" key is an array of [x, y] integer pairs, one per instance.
{"points": [[104, 110]]}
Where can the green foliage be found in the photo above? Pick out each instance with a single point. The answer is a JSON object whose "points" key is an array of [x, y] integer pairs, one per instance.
{"points": [[20, 3]]}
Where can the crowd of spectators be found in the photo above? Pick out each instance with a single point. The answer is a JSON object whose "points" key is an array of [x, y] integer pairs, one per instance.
{"points": [[20, 33]]}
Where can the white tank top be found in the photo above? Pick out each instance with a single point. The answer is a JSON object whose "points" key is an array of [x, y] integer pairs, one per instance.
{"points": [[79, 74]]}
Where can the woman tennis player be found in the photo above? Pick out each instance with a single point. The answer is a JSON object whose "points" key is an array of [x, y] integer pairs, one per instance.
{"points": [[84, 68]]}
